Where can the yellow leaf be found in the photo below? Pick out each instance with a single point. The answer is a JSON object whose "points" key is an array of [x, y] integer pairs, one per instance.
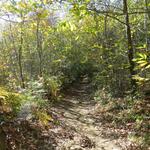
{"points": [[22, 4]]}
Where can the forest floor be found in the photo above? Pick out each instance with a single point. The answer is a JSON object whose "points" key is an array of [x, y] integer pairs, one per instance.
{"points": [[76, 110], [77, 122]]}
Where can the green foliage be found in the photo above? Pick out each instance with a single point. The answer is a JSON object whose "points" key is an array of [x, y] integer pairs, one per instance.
{"points": [[142, 61], [10, 102], [61, 50], [42, 116], [35, 88], [35, 94], [142, 65], [52, 87]]}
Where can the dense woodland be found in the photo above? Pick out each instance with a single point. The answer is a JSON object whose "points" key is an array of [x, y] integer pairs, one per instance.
{"points": [[48, 47]]}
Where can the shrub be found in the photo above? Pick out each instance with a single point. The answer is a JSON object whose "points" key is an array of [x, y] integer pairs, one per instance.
{"points": [[34, 105], [10, 102], [35, 88], [52, 87], [42, 116]]}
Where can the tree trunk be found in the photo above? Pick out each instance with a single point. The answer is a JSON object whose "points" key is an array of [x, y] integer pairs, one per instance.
{"points": [[39, 47], [147, 7], [147, 40], [20, 56], [130, 47], [14, 67]]}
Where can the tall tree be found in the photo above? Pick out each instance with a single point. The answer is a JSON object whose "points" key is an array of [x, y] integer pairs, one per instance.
{"points": [[130, 46], [20, 53]]}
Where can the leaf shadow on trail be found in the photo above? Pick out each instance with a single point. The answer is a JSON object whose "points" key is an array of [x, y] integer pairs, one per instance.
{"points": [[76, 100]]}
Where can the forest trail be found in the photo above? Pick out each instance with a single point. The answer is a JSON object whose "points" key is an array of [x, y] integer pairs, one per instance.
{"points": [[76, 108]]}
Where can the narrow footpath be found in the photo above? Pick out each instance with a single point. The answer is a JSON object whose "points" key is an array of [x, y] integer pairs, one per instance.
{"points": [[76, 108]]}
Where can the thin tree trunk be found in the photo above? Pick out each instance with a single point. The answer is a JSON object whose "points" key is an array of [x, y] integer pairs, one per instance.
{"points": [[105, 29], [130, 47], [147, 40], [39, 47], [12, 39], [20, 56], [31, 61], [147, 7]]}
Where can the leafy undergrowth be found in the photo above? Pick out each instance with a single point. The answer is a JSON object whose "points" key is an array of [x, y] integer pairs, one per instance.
{"points": [[10, 102], [25, 122], [36, 126], [28, 123], [124, 119]]}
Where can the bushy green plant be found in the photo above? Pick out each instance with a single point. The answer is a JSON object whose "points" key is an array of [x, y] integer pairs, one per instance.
{"points": [[10, 101], [36, 88], [35, 92], [34, 104], [52, 87], [42, 116]]}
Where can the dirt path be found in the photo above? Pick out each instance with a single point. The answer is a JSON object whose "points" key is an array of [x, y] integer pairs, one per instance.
{"points": [[76, 108]]}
